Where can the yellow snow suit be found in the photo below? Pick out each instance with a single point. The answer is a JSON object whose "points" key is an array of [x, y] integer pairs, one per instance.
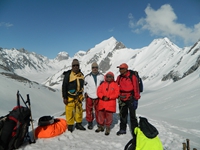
{"points": [[144, 143], [74, 110]]}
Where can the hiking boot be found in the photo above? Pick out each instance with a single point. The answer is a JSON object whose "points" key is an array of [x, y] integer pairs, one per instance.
{"points": [[120, 132], [99, 129], [90, 125], [70, 128], [79, 126], [107, 131]]}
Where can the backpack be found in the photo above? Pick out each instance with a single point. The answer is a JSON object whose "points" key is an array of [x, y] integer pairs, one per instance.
{"points": [[14, 127], [147, 129], [140, 83]]}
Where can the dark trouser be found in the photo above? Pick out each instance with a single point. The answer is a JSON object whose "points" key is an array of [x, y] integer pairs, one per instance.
{"points": [[124, 107], [90, 105]]}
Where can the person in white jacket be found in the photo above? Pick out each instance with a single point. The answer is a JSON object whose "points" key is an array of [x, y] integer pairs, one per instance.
{"points": [[92, 81]]}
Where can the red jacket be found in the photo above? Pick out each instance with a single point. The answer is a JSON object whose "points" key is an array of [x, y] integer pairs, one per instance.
{"points": [[110, 90], [127, 86]]}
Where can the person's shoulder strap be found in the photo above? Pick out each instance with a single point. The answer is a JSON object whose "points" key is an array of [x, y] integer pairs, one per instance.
{"points": [[133, 72]]}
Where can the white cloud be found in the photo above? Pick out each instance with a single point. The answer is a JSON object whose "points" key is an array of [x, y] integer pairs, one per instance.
{"points": [[163, 22], [4, 24]]}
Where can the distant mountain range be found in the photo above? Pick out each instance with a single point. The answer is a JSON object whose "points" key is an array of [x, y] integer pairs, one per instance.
{"points": [[160, 61], [171, 77]]}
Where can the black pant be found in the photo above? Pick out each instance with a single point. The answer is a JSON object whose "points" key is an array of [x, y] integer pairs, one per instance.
{"points": [[124, 107]]}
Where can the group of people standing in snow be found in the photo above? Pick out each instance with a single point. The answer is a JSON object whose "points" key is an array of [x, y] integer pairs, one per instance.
{"points": [[100, 92]]}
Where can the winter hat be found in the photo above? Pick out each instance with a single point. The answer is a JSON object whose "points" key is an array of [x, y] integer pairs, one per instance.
{"points": [[45, 120], [75, 62], [123, 65], [94, 64], [110, 73]]}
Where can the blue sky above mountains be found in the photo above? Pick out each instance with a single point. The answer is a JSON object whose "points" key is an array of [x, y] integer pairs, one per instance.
{"points": [[48, 27]]}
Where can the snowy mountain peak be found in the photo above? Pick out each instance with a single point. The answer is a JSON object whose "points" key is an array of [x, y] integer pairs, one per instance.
{"points": [[62, 56], [20, 59], [164, 43], [79, 54]]}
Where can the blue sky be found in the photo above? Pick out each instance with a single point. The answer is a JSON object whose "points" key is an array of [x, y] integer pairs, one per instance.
{"points": [[48, 27]]}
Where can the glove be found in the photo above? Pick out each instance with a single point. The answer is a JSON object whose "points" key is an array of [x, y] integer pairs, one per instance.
{"points": [[105, 98], [135, 104], [65, 101]]}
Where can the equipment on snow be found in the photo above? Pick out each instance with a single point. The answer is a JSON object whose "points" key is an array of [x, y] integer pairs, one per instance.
{"points": [[130, 145], [50, 128], [14, 127], [45, 120], [145, 137], [148, 129], [29, 106], [186, 145]]}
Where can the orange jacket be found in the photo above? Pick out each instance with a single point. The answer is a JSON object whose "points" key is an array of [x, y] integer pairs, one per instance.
{"points": [[110, 90]]}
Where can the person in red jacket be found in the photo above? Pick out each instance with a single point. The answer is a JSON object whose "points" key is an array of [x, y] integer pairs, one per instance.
{"points": [[128, 98], [107, 92]]}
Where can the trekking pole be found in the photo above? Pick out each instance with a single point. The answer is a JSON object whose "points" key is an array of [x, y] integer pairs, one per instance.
{"points": [[33, 130]]}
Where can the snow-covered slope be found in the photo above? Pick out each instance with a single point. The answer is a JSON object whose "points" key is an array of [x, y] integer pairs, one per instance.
{"points": [[172, 109], [170, 99]]}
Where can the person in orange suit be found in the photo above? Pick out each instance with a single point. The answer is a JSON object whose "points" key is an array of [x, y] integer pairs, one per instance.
{"points": [[107, 92]]}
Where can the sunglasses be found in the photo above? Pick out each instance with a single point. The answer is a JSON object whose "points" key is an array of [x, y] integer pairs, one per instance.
{"points": [[76, 65], [121, 68], [109, 76], [94, 67]]}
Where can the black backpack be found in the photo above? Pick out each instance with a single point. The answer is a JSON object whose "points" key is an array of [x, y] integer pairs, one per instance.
{"points": [[14, 128], [148, 130], [140, 83]]}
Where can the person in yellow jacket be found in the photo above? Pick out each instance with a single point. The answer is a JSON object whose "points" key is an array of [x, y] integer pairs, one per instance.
{"points": [[145, 143], [72, 93]]}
